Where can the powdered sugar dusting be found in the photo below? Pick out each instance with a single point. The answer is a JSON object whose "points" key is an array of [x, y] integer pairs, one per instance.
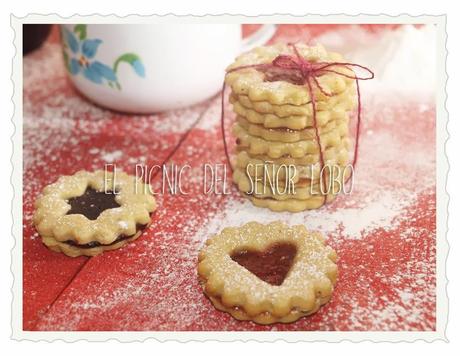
{"points": [[112, 156], [388, 53], [384, 233], [61, 126], [353, 222], [391, 56], [64, 133]]}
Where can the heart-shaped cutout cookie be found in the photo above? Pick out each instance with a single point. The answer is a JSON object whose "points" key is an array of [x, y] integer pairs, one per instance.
{"points": [[270, 265]]}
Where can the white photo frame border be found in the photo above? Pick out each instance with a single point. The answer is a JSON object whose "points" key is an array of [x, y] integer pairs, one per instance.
{"points": [[442, 197]]}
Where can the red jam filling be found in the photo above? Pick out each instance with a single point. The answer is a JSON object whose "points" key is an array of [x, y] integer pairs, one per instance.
{"points": [[271, 265]]}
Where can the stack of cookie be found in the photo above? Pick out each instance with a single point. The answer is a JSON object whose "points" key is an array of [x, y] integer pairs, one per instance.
{"points": [[280, 163]]}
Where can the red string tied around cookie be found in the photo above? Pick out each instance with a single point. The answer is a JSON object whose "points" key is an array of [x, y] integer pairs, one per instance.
{"points": [[298, 70]]}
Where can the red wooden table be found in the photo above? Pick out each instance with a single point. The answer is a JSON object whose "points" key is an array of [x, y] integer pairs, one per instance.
{"points": [[384, 233]]}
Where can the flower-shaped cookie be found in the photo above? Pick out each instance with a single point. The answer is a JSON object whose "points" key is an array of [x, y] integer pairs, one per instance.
{"points": [[277, 149], [90, 212], [288, 135], [259, 85], [267, 273], [291, 116]]}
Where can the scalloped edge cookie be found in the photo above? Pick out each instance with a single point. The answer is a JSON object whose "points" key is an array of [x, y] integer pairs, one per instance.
{"points": [[302, 189], [251, 82], [291, 116], [275, 149], [291, 205], [312, 158], [58, 229], [74, 251], [257, 168], [234, 289], [288, 135]]}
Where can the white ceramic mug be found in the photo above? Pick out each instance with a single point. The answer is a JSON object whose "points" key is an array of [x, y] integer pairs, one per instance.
{"points": [[151, 68]]}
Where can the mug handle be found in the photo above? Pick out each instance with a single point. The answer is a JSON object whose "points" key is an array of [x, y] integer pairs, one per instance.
{"points": [[258, 38]]}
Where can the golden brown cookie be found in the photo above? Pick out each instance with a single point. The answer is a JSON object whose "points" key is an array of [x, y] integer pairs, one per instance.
{"points": [[291, 205], [258, 168], [330, 153], [288, 188], [276, 149], [292, 116], [289, 135], [92, 212], [255, 84], [267, 273]]}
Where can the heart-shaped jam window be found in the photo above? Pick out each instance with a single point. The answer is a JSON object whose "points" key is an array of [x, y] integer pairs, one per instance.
{"points": [[271, 265], [92, 203]]}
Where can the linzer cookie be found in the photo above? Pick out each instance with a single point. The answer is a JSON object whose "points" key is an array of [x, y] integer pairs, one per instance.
{"points": [[289, 135], [292, 116], [290, 185], [92, 212], [293, 105], [277, 149], [271, 83], [267, 273], [272, 170], [313, 158]]}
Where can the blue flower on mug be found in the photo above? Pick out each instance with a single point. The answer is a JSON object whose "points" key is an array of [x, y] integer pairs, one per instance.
{"points": [[81, 59]]}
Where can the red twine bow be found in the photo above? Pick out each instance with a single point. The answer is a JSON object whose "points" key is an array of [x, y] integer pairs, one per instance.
{"points": [[300, 71]]}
